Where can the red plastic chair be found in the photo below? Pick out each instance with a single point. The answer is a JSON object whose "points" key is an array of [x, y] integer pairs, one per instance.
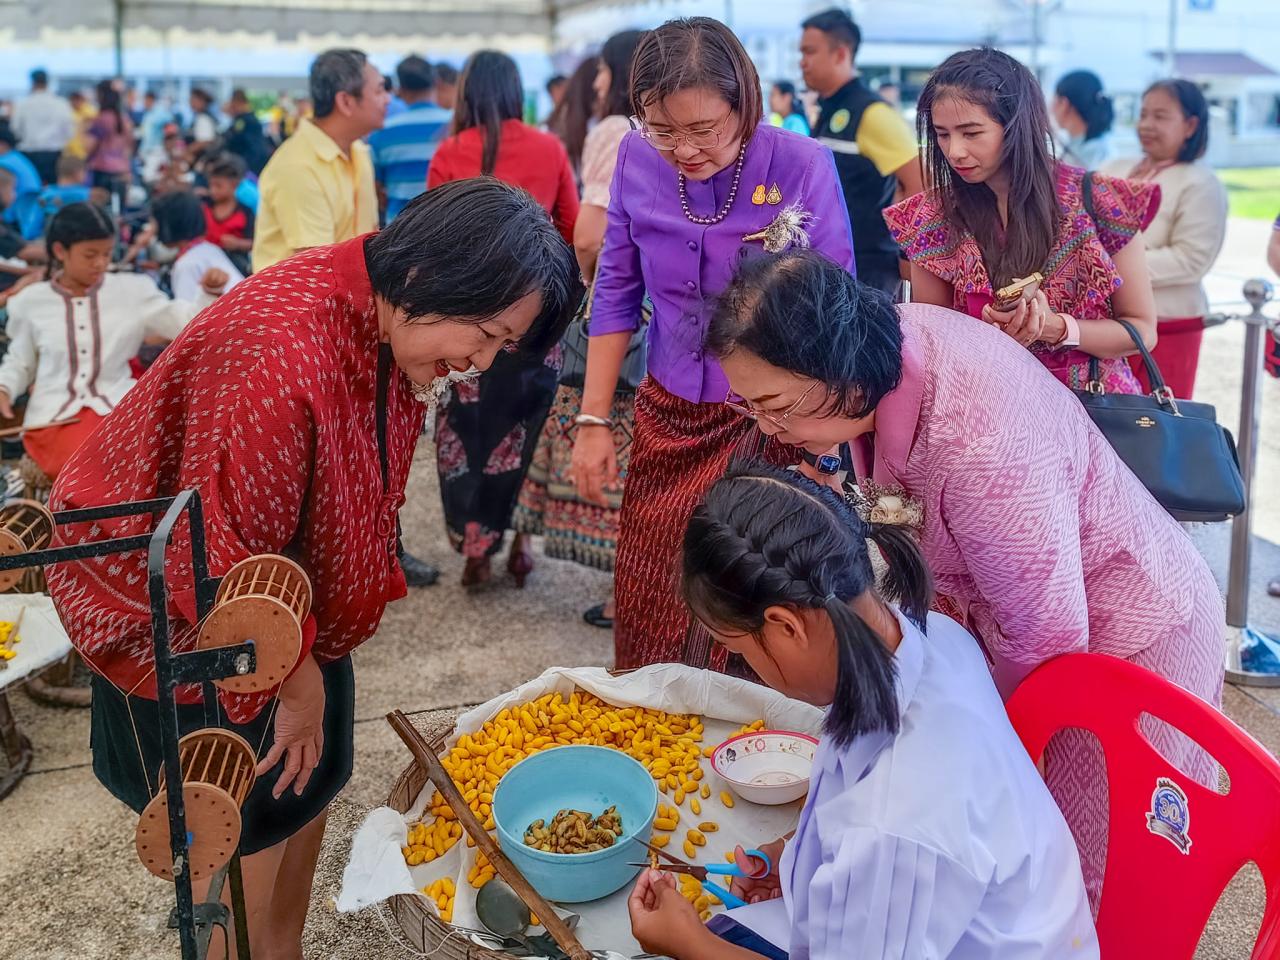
{"points": [[1165, 871]]}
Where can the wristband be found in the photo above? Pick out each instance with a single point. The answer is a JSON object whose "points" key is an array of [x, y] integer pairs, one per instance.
{"points": [[1070, 338], [827, 464]]}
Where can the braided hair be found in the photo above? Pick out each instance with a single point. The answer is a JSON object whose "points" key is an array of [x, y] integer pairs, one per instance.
{"points": [[766, 537]]}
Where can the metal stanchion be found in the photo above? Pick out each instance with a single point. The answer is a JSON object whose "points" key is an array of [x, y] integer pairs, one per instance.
{"points": [[1253, 657]]}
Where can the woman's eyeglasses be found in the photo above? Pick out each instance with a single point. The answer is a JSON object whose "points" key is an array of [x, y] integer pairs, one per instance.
{"points": [[779, 420], [705, 139]]}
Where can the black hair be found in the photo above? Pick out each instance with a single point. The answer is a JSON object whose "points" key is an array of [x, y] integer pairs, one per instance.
{"points": [[1083, 90], [334, 72], [77, 223], [788, 89], [801, 312], [616, 54], [1193, 104], [229, 166], [766, 537], [838, 26], [468, 250], [179, 218], [204, 96], [39, 78], [109, 101], [491, 93], [415, 74], [572, 115], [446, 73], [556, 80], [1011, 95], [388, 84]]}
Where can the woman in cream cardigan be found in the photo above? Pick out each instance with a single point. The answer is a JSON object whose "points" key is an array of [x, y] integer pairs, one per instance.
{"points": [[1184, 238]]}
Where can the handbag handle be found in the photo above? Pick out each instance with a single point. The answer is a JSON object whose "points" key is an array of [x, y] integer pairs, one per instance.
{"points": [[1159, 389]]}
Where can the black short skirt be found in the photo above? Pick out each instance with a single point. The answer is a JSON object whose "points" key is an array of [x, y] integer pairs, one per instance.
{"points": [[265, 820]]}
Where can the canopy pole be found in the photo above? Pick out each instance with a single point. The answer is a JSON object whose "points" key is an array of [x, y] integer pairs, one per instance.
{"points": [[117, 32]]}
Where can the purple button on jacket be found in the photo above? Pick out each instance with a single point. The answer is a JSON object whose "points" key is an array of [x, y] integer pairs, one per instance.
{"points": [[651, 246]]}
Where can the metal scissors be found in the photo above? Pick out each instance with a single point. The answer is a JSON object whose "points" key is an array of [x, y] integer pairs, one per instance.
{"points": [[676, 865]]}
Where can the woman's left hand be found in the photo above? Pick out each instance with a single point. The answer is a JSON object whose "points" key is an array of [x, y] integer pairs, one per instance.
{"points": [[662, 921], [1027, 322], [299, 729]]}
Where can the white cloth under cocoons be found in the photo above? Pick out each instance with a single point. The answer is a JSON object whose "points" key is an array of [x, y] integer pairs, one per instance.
{"points": [[376, 869]]}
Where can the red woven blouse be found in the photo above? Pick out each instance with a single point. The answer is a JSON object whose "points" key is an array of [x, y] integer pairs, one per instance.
{"points": [[266, 405], [526, 158]]}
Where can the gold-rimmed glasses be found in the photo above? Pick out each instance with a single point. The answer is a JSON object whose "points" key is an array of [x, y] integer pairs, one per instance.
{"points": [[779, 420], [707, 138]]}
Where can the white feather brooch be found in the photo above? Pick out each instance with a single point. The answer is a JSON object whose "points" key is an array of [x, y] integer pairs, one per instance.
{"points": [[789, 229]]}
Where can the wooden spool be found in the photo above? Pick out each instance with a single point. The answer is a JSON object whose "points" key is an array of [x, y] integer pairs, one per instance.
{"points": [[217, 774], [263, 599], [25, 525]]}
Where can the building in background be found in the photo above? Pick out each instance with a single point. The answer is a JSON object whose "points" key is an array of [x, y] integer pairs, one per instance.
{"points": [[1231, 47]]}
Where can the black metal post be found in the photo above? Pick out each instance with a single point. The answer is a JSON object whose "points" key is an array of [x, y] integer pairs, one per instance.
{"points": [[169, 732]]}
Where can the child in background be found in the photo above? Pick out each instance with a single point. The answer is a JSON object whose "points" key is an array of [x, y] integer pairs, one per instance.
{"points": [[180, 224], [228, 221], [16, 254], [80, 311], [927, 831], [70, 188]]}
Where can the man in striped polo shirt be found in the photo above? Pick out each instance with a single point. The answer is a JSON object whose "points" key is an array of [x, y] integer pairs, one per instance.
{"points": [[402, 149]]}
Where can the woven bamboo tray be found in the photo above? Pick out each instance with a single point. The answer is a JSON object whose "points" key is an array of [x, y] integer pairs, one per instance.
{"points": [[419, 922]]}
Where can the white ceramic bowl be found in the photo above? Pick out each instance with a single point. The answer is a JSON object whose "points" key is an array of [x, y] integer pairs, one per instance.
{"points": [[768, 767]]}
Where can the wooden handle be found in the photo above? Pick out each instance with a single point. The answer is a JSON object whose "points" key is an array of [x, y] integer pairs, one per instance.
{"points": [[14, 431], [435, 771]]}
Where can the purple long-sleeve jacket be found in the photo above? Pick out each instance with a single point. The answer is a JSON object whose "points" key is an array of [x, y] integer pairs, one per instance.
{"points": [[651, 246]]}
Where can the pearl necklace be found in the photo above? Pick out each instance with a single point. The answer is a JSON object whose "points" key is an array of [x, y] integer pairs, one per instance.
{"points": [[728, 203]]}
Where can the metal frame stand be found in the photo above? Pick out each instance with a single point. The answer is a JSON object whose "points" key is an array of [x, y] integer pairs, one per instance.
{"points": [[194, 921], [1253, 657]]}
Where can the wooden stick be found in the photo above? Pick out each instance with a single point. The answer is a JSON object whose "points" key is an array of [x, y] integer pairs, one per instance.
{"points": [[436, 773], [15, 431]]}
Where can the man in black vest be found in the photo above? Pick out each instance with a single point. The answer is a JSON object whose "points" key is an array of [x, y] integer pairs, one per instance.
{"points": [[875, 150]]}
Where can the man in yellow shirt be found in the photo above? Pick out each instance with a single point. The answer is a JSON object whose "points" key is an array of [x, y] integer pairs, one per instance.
{"points": [[876, 152], [318, 187]]}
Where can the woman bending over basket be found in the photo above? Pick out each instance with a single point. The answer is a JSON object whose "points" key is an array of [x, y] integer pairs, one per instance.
{"points": [[904, 848], [291, 405]]}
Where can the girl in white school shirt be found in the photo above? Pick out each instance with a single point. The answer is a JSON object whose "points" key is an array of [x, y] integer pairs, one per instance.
{"points": [[927, 831], [73, 335]]}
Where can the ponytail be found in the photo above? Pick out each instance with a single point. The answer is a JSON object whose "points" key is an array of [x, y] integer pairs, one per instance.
{"points": [[907, 582], [866, 697]]}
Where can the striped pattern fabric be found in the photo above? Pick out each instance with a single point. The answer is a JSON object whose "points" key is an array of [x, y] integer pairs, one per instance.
{"points": [[680, 449], [402, 152]]}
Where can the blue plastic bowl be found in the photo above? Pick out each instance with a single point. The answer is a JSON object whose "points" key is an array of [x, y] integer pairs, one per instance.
{"points": [[591, 779]]}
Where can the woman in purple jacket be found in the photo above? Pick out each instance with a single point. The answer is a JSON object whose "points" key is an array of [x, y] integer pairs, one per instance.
{"points": [[699, 186]]}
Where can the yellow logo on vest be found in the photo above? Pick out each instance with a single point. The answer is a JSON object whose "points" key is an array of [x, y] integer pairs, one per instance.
{"points": [[775, 195], [839, 120], [758, 195]]}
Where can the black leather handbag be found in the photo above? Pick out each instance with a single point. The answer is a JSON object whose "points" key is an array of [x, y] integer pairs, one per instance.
{"points": [[1175, 447], [573, 368]]}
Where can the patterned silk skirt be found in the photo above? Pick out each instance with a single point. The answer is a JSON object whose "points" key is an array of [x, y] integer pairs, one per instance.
{"points": [[680, 449], [574, 529], [486, 430]]}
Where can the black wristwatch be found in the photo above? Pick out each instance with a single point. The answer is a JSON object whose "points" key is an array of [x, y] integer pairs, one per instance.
{"points": [[827, 464]]}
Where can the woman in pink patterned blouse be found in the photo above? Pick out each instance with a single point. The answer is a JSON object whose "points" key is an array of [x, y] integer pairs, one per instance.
{"points": [[1040, 540], [999, 208]]}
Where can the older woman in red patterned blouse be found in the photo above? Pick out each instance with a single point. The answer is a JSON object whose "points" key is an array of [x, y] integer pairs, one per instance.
{"points": [[292, 406]]}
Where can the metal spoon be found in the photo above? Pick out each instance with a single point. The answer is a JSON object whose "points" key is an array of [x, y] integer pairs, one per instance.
{"points": [[503, 913]]}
